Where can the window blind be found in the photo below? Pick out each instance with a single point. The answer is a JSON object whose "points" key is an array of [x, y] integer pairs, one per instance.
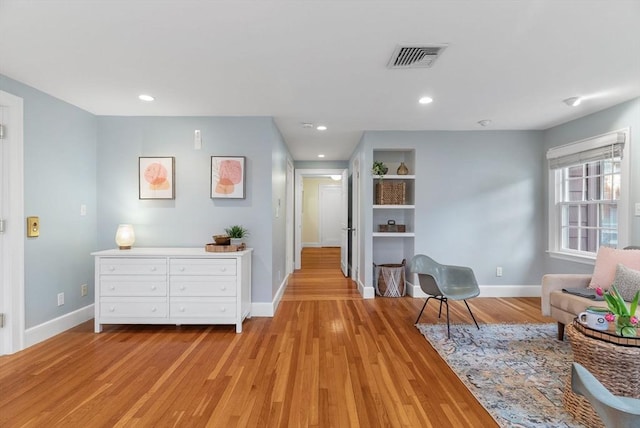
{"points": [[608, 146]]}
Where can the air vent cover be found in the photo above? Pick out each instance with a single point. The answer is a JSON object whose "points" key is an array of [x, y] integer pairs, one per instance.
{"points": [[415, 56]]}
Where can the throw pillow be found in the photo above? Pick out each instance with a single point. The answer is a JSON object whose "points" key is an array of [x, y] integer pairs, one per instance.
{"points": [[606, 261], [627, 281]]}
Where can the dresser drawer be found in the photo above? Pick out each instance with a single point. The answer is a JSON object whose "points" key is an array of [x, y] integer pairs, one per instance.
{"points": [[204, 307], [133, 266], [202, 267], [202, 286], [133, 285], [133, 308]]}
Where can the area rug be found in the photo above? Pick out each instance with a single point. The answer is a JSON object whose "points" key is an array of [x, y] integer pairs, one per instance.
{"points": [[516, 371]]}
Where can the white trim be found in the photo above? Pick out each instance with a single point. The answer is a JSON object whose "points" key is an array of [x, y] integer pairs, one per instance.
{"points": [[311, 244], [489, 291], [366, 292], [12, 252], [588, 259], [58, 325], [268, 309]]}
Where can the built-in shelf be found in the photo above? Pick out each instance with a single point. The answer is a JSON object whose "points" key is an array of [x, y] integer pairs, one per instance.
{"points": [[394, 207], [395, 177], [393, 234]]}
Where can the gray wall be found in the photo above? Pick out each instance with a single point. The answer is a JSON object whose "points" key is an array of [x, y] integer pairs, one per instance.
{"points": [[478, 196], [193, 217], [59, 176], [621, 116]]}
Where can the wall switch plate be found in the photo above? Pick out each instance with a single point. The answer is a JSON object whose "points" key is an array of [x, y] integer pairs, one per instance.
{"points": [[499, 271], [638, 209], [33, 227], [197, 139], [60, 299], [84, 290], [83, 209]]}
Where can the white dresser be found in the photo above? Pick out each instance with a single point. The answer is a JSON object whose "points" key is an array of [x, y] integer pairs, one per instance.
{"points": [[172, 286]]}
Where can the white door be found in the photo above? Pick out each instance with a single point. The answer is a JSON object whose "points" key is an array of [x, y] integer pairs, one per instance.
{"points": [[330, 215], [12, 216], [344, 225]]}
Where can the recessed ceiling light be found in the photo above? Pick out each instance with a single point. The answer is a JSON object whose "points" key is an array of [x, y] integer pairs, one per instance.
{"points": [[484, 122], [144, 97], [573, 101], [321, 128], [425, 100], [320, 155]]}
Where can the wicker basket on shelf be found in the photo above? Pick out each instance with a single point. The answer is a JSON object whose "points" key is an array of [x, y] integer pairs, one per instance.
{"points": [[391, 193]]}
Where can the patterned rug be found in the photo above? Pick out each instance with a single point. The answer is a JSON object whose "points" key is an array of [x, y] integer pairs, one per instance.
{"points": [[516, 371]]}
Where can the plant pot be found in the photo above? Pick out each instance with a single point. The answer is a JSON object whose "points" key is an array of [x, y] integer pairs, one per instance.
{"points": [[236, 241]]}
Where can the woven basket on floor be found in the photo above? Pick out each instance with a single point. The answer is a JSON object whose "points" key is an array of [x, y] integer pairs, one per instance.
{"points": [[389, 279], [615, 366]]}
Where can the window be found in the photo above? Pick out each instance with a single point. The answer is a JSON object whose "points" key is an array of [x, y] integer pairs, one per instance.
{"points": [[587, 196]]}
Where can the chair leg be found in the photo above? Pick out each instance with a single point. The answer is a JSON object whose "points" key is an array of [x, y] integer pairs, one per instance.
{"points": [[474, 318], [448, 327], [422, 310], [440, 311]]}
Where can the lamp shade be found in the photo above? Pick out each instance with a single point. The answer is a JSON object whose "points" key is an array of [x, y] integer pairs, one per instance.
{"points": [[125, 237]]}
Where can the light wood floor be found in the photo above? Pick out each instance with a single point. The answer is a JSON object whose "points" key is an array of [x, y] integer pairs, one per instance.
{"points": [[327, 359]]}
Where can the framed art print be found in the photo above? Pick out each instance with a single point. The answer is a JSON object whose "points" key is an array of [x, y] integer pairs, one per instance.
{"points": [[227, 177], [156, 178]]}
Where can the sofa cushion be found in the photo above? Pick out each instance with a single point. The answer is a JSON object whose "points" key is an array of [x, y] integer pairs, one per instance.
{"points": [[627, 281], [572, 303], [607, 260]]}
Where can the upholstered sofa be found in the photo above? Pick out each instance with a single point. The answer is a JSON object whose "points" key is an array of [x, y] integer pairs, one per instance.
{"points": [[564, 307]]}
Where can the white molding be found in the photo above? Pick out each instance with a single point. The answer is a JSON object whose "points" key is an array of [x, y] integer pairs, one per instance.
{"points": [[58, 325], [489, 291], [268, 309], [311, 244], [366, 292]]}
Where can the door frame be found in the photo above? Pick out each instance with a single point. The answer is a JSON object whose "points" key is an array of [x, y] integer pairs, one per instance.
{"points": [[289, 245], [300, 174], [12, 248]]}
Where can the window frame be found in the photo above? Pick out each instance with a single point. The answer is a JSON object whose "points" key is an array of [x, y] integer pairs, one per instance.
{"points": [[555, 203]]}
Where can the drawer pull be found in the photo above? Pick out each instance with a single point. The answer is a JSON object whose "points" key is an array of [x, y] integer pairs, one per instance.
{"points": [[111, 268], [224, 287], [153, 287], [113, 287], [153, 309], [223, 309], [153, 269], [182, 287], [181, 308], [224, 269], [112, 309], [181, 268]]}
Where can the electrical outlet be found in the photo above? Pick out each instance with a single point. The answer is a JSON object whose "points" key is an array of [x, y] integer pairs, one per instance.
{"points": [[499, 271], [60, 299], [84, 290]]}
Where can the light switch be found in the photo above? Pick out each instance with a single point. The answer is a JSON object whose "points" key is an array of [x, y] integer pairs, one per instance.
{"points": [[638, 209], [197, 139], [33, 227]]}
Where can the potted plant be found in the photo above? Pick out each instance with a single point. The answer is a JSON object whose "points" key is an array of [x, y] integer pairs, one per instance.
{"points": [[236, 233], [379, 169]]}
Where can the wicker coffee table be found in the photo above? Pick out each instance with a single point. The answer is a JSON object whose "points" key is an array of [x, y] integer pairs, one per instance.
{"points": [[614, 365]]}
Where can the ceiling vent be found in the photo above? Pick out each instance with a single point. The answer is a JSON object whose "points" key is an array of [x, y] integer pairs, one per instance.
{"points": [[415, 56]]}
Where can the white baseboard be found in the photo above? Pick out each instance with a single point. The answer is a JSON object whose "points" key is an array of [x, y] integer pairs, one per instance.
{"points": [[56, 326], [366, 292], [489, 290], [312, 244], [268, 309]]}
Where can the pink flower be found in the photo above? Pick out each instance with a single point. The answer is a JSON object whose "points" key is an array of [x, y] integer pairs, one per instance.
{"points": [[610, 317], [599, 291], [634, 320]]}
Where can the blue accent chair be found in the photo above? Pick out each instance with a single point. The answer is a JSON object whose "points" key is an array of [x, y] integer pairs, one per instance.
{"points": [[443, 283], [615, 411]]}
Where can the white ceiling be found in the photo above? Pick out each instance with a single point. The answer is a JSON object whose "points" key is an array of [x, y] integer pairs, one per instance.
{"points": [[325, 61]]}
